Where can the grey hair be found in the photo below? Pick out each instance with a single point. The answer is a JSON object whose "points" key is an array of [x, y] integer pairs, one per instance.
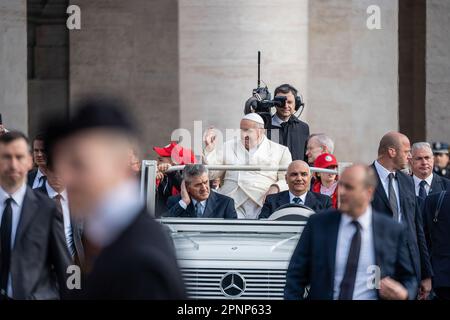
{"points": [[324, 140], [193, 170], [421, 145]]}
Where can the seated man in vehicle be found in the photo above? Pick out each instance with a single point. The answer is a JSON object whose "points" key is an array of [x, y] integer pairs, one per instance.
{"points": [[169, 183], [298, 178], [196, 200], [248, 188]]}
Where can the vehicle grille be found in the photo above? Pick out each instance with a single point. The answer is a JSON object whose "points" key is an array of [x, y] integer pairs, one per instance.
{"points": [[260, 283]]}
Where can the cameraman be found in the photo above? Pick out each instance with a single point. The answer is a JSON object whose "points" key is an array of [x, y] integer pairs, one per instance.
{"points": [[292, 132]]}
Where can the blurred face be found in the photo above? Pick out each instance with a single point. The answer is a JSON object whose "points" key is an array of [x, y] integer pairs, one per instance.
{"points": [[327, 178], [198, 187], [441, 160], [422, 163], [91, 164], [15, 162], [162, 160], [298, 178], [289, 108], [354, 196], [215, 184], [313, 150], [251, 134], [403, 154], [38, 153], [55, 181]]}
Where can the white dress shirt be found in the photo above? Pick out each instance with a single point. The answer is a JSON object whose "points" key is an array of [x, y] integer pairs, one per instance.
{"points": [[66, 215], [292, 196], [383, 173], [366, 256], [16, 206], [38, 182], [427, 186], [114, 213]]}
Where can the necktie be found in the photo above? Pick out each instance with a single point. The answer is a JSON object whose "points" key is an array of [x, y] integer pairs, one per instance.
{"points": [[422, 191], [297, 200], [284, 132], [348, 281], [69, 236], [198, 209], [5, 240], [393, 197], [42, 181]]}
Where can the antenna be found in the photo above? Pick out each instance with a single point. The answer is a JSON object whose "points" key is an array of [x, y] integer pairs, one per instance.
{"points": [[259, 68]]}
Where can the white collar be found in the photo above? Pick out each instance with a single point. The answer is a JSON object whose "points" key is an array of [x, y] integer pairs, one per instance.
{"points": [[428, 179], [17, 196], [114, 213], [39, 174], [292, 196], [364, 220], [382, 171], [52, 192]]}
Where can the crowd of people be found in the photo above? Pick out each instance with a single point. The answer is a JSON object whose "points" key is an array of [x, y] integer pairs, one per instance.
{"points": [[75, 200]]}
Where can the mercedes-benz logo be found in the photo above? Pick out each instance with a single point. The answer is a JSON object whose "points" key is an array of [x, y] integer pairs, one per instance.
{"points": [[232, 284]]}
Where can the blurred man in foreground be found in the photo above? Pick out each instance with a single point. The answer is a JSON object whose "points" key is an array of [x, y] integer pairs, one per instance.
{"points": [[128, 256], [340, 251]]}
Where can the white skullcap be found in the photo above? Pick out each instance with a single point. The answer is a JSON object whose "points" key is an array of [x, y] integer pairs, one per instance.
{"points": [[254, 117]]}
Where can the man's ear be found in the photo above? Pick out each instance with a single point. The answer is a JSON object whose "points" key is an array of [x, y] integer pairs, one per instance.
{"points": [[392, 152]]}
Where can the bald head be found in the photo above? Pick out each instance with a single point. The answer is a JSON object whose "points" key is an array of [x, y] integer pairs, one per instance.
{"points": [[394, 151], [356, 186], [298, 177], [391, 139]]}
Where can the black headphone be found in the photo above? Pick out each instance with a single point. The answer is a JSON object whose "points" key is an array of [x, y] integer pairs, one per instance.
{"points": [[285, 88]]}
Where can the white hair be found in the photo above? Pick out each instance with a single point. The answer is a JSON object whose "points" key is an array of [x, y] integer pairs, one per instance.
{"points": [[421, 145], [324, 140]]}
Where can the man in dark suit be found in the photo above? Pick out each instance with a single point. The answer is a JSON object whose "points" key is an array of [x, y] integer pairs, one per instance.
{"points": [[196, 199], [37, 176], [298, 178], [437, 226], [33, 253], [128, 255], [396, 198], [55, 189], [425, 181], [352, 253]]}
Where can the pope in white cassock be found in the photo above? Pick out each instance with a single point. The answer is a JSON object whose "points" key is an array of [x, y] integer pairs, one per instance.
{"points": [[248, 188]]}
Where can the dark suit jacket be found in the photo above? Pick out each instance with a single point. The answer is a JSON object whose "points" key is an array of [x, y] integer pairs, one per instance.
{"points": [[31, 176], [40, 257], [217, 206], [294, 136], [439, 184], [438, 238], [313, 261], [412, 218], [139, 264], [314, 200], [77, 232]]}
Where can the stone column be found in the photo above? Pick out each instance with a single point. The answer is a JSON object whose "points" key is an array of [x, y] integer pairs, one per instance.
{"points": [[219, 41], [13, 64], [438, 71], [352, 75], [130, 49]]}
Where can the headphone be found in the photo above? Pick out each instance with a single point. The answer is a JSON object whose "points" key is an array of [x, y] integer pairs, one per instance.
{"points": [[298, 98]]}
